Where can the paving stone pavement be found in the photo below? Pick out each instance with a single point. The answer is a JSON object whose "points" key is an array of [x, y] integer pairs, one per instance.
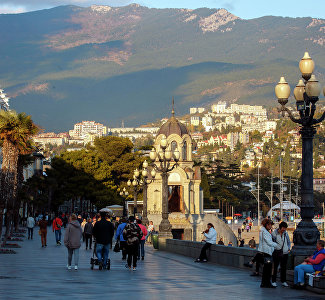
{"points": [[37, 272]]}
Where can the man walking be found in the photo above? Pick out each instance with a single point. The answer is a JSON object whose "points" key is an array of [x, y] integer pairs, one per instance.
{"points": [[132, 234], [103, 232], [56, 227], [119, 236], [239, 233], [30, 226]]}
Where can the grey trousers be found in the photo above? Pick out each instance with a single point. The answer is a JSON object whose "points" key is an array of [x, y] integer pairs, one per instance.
{"points": [[74, 252]]}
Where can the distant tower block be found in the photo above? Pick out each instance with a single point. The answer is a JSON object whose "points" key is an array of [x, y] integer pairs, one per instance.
{"points": [[4, 100]]}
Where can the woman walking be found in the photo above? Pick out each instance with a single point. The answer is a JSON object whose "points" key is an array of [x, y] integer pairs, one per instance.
{"points": [[43, 230], [72, 237], [266, 247]]}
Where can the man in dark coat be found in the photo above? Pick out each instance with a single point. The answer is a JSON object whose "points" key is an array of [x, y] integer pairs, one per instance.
{"points": [[103, 232]]}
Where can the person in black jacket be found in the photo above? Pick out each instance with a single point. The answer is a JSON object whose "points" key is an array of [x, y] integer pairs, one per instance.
{"points": [[88, 233], [103, 232], [132, 234]]}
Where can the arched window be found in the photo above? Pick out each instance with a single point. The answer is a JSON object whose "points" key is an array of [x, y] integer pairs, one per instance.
{"points": [[184, 151], [173, 146]]}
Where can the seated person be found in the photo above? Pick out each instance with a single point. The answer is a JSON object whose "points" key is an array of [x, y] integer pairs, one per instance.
{"points": [[210, 239], [310, 265]]}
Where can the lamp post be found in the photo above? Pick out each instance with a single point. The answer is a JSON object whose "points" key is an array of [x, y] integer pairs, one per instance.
{"points": [[168, 160], [136, 187], [124, 193], [306, 93]]}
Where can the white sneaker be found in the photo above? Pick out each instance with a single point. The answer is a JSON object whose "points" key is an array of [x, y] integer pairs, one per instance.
{"points": [[285, 284], [69, 267], [76, 267], [274, 284]]}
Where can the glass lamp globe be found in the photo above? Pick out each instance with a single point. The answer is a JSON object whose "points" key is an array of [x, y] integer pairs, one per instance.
{"points": [[306, 66], [299, 91], [136, 173], [145, 164], [176, 155], [313, 87], [134, 182], [129, 182], [163, 142], [282, 91], [153, 154], [144, 173], [168, 155], [153, 173]]}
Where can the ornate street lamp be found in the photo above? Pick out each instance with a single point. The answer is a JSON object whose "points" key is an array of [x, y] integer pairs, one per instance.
{"points": [[142, 179], [168, 160], [136, 183], [124, 193], [306, 93]]}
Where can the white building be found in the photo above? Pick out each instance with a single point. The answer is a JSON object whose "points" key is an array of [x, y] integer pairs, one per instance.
{"points": [[195, 120], [207, 123], [219, 108], [85, 127], [193, 110]]}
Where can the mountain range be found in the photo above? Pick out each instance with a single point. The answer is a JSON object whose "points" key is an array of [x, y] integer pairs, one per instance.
{"points": [[67, 64]]}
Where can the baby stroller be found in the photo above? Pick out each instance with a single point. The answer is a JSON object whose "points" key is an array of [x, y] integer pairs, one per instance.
{"points": [[94, 259]]}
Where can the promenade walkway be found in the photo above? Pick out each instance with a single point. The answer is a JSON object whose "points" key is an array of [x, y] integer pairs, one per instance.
{"points": [[40, 273]]}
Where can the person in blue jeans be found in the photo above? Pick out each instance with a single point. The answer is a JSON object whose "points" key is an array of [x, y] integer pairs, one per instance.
{"points": [[103, 232], [119, 236], [312, 264]]}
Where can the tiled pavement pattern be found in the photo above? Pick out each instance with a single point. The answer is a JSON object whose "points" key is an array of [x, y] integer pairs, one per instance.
{"points": [[40, 273]]}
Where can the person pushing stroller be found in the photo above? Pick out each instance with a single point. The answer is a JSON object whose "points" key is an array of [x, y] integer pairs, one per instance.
{"points": [[103, 232]]}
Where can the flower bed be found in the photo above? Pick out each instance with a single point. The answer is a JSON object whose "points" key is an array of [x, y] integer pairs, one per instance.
{"points": [[7, 251], [10, 245]]}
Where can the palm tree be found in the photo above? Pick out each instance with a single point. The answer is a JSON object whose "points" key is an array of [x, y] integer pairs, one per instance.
{"points": [[16, 131]]}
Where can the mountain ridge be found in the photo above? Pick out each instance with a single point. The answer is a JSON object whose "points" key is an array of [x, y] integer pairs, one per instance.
{"points": [[71, 63]]}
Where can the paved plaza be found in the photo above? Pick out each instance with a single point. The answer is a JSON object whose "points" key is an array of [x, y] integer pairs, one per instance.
{"points": [[37, 272]]}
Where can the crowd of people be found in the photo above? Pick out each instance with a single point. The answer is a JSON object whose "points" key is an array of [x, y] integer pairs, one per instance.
{"points": [[97, 230]]}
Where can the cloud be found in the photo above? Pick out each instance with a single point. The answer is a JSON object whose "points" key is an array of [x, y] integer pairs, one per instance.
{"points": [[12, 6]]}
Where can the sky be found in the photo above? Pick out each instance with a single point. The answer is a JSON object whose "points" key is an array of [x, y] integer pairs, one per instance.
{"points": [[246, 9]]}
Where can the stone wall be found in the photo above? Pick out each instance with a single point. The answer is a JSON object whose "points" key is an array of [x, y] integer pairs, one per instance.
{"points": [[223, 255]]}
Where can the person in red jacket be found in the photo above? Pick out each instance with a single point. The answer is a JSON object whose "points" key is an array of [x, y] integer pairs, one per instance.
{"points": [[143, 239], [56, 226]]}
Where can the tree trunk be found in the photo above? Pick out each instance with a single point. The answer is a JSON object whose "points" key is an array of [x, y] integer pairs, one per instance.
{"points": [[8, 182]]}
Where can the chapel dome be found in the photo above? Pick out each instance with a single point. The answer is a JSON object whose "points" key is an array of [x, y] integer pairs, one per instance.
{"points": [[173, 126]]}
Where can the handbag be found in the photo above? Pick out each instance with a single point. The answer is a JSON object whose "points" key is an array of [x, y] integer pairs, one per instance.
{"points": [[117, 247], [279, 253], [40, 232]]}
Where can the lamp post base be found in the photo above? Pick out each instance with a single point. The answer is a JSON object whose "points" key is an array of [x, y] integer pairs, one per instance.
{"points": [[305, 238], [165, 226]]}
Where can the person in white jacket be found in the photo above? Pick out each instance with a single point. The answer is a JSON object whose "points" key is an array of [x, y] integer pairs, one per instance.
{"points": [[266, 247], [30, 226], [210, 238]]}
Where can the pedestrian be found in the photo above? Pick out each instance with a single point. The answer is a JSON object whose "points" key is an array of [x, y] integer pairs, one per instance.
{"points": [[266, 247], [119, 237], [65, 220], [30, 226], [150, 232], [72, 237], [84, 222], [314, 263], [132, 233], [247, 228], [243, 227], [242, 242], [103, 232], [56, 227], [143, 239], [239, 233], [79, 219], [252, 243], [88, 233], [221, 242], [43, 231], [210, 239], [280, 254]]}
